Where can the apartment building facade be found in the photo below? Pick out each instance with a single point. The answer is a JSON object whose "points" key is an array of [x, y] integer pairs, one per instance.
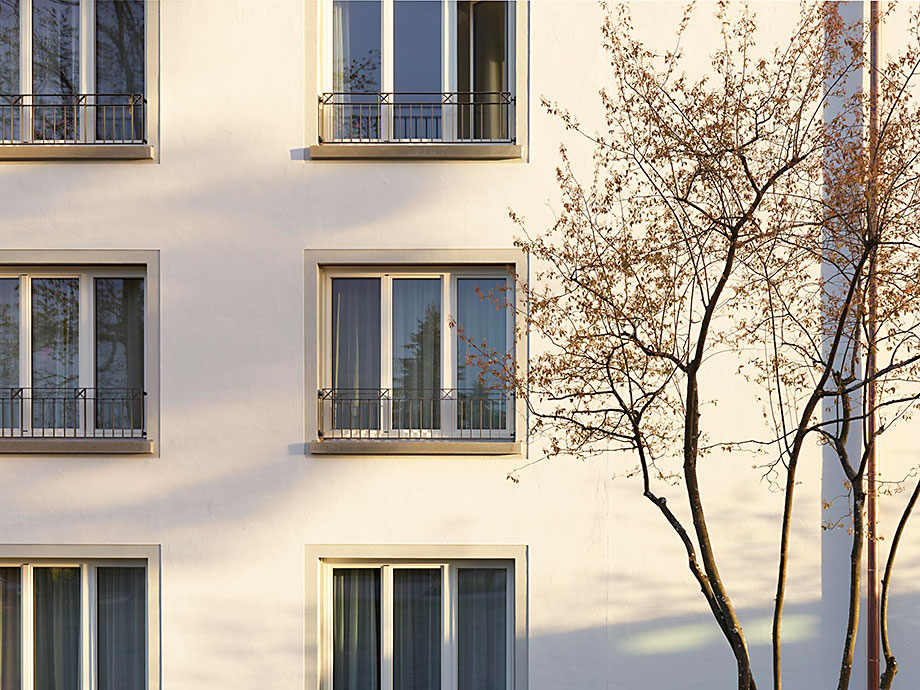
{"points": [[241, 443]]}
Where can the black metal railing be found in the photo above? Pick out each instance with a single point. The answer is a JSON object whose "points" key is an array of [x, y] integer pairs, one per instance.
{"points": [[99, 118], [420, 117], [73, 413], [383, 413]]}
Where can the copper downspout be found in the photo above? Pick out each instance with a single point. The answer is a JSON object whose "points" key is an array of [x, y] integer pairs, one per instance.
{"points": [[872, 583]]}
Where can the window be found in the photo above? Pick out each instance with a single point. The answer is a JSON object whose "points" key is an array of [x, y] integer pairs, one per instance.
{"points": [[418, 624], [73, 71], [59, 617], [417, 353], [73, 352], [424, 71]]}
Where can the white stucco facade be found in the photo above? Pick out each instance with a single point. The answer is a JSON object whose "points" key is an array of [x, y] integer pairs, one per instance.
{"points": [[230, 207]]}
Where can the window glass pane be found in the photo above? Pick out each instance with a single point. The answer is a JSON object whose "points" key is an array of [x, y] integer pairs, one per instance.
{"points": [[489, 70], [119, 353], [55, 68], [417, 69], [10, 628], [417, 353], [356, 68], [356, 629], [57, 628], [9, 352], [482, 628], [482, 342], [9, 69], [356, 353], [55, 355], [121, 628], [417, 629], [119, 69]]}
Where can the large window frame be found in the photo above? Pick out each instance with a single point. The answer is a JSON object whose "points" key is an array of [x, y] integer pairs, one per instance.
{"points": [[454, 143], [88, 558], [449, 340], [86, 339], [86, 146], [94, 263], [322, 560], [450, 77]]}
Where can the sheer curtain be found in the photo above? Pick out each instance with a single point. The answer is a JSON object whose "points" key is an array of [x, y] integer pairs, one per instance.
{"points": [[10, 628], [356, 68], [356, 352], [55, 354], [121, 628], [482, 628], [9, 68], [9, 350], [57, 628], [417, 629], [483, 320], [119, 353], [417, 69], [356, 629], [417, 353], [55, 68]]}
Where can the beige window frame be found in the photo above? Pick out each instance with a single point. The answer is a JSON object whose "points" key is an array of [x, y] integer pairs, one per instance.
{"points": [[322, 560], [87, 558], [87, 264]]}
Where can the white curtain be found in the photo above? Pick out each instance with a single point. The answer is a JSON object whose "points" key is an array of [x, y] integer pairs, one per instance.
{"points": [[55, 69], [417, 353], [356, 68], [55, 351], [417, 629], [482, 628], [356, 629], [121, 627], [356, 352], [9, 351], [10, 628], [57, 628], [9, 67]]}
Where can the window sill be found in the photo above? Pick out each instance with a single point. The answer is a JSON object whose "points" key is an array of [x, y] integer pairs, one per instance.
{"points": [[349, 446], [69, 446], [485, 152], [59, 152]]}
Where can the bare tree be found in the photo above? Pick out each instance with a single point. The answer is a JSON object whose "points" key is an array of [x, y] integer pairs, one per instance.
{"points": [[734, 218]]}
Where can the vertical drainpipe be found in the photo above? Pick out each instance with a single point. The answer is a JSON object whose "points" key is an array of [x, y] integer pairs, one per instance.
{"points": [[872, 583]]}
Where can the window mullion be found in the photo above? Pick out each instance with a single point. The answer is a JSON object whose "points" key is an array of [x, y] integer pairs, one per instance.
{"points": [[386, 65], [28, 628], [86, 349], [86, 633], [386, 628], [449, 69], [447, 631], [448, 421], [386, 347], [25, 352], [25, 67], [88, 67]]}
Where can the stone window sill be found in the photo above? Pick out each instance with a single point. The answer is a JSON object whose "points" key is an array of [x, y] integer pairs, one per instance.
{"points": [[342, 446], [485, 152], [72, 446], [62, 152]]}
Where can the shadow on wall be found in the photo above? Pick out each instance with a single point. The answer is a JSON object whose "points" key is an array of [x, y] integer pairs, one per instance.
{"points": [[689, 652]]}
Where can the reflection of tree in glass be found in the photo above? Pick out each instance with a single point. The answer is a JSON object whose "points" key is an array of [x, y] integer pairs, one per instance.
{"points": [[55, 330], [119, 67], [358, 73], [9, 47], [9, 335], [119, 352], [417, 375], [55, 66]]}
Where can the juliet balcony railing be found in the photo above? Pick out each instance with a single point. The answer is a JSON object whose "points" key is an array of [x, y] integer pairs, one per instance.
{"points": [[446, 414], [417, 117], [99, 118], [73, 413]]}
